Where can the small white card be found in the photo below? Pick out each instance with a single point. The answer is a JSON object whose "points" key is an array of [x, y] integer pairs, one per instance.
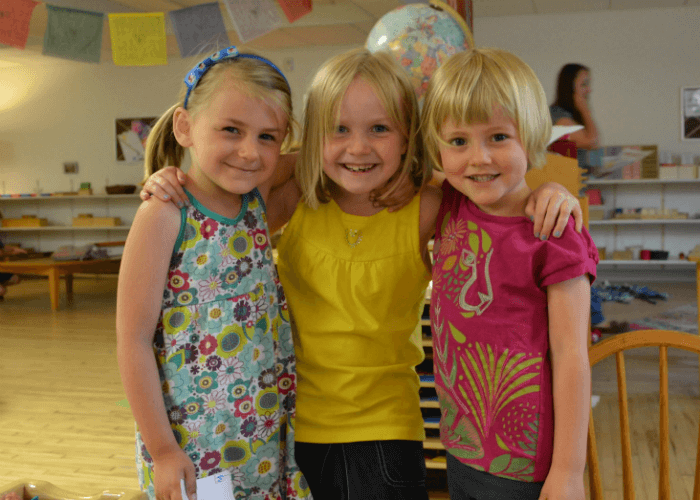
{"points": [[217, 487]]}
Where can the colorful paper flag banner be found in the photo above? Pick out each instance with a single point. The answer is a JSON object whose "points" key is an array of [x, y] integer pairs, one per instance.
{"points": [[138, 39], [14, 21], [199, 29], [294, 9], [73, 34], [253, 18]]}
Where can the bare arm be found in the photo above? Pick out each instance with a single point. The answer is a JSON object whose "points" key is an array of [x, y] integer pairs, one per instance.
{"points": [[431, 197], [569, 309], [142, 278], [588, 137]]}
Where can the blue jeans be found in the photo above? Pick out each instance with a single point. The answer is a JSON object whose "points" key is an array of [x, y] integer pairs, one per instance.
{"points": [[365, 470], [466, 483]]}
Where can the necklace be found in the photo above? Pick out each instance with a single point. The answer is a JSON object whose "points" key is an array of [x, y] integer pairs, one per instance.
{"points": [[353, 237]]}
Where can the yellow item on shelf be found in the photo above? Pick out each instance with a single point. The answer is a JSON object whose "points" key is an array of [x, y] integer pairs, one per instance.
{"points": [[25, 221], [87, 220]]}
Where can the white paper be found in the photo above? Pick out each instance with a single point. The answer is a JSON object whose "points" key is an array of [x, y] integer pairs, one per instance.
{"points": [[216, 487], [131, 145], [559, 131]]}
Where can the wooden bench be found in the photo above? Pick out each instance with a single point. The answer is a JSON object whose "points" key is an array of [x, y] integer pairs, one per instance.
{"points": [[54, 269]]}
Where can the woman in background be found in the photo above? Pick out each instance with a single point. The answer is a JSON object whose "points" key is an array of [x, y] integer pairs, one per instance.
{"points": [[571, 106]]}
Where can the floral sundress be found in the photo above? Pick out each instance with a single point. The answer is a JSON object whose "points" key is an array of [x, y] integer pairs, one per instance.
{"points": [[225, 356]]}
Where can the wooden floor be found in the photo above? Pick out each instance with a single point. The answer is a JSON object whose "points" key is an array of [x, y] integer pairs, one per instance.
{"points": [[59, 388]]}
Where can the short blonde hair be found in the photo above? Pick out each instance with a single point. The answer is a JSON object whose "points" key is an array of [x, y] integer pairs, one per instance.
{"points": [[254, 77], [470, 85], [321, 114]]}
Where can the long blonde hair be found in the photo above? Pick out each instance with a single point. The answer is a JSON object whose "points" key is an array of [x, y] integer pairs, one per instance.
{"points": [[321, 115], [470, 85], [254, 77]]}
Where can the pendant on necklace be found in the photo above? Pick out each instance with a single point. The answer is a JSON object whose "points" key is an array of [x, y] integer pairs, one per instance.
{"points": [[353, 237]]}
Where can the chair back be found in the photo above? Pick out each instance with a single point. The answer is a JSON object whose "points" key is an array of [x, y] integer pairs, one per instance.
{"points": [[616, 345]]}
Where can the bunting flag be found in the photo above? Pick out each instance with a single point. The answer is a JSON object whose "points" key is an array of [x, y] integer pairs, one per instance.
{"points": [[294, 9], [138, 39], [199, 29], [73, 34], [14, 21], [253, 18]]}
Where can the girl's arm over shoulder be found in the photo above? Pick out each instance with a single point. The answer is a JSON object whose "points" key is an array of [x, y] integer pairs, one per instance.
{"points": [[550, 204], [142, 278], [431, 197], [281, 202], [569, 311], [281, 193]]}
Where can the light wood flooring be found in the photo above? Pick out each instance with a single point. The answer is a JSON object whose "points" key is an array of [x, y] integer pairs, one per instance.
{"points": [[59, 388]]}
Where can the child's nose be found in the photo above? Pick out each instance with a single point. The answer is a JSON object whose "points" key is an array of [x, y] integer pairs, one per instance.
{"points": [[358, 144], [248, 149], [477, 154]]}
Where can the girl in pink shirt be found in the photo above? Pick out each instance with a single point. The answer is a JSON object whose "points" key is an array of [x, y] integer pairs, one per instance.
{"points": [[509, 313]]}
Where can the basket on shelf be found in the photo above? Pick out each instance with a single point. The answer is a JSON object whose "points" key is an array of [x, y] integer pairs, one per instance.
{"points": [[121, 189]]}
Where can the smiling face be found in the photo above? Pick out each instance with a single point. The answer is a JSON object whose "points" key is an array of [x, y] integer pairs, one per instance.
{"points": [[487, 163], [235, 141], [366, 148]]}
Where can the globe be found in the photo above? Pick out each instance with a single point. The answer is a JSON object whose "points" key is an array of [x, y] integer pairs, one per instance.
{"points": [[421, 37]]}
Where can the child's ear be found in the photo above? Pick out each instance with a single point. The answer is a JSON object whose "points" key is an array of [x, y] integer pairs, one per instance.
{"points": [[182, 127]]}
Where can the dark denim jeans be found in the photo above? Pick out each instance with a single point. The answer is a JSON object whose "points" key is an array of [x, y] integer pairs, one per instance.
{"points": [[365, 470], [466, 483]]}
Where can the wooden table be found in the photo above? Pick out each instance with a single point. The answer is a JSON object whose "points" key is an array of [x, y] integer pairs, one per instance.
{"points": [[54, 269]]}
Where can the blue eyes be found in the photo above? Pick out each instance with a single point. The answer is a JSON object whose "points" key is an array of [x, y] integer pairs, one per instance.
{"points": [[376, 129], [461, 141], [264, 137]]}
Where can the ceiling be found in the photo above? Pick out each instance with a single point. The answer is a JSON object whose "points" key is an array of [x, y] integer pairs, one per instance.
{"points": [[331, 22]]}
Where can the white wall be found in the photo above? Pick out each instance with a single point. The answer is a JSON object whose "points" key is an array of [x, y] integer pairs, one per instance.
{"points": [[53, 111], [639, 60]]}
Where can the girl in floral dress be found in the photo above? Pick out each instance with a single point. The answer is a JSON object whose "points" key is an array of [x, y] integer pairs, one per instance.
{"points": [[198, 288]]}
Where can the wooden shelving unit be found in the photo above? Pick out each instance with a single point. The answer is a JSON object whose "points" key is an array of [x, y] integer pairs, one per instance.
{"points": [[430, 407], [60, 211]]}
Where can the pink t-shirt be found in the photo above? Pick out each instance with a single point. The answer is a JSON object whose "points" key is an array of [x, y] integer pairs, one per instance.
{"points": [[490, 335]]}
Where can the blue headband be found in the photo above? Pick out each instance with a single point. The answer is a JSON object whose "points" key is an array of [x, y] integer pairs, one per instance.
{"points": [[196, 74]]}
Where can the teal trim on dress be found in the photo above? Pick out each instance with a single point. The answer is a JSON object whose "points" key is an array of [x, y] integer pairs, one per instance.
{"points": [[220, 218], [257, 194]]}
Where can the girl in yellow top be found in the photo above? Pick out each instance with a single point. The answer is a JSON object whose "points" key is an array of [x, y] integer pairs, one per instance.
{"points": [[355, 275]]}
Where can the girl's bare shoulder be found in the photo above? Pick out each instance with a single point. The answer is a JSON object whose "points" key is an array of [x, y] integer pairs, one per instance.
{"points": [[159, 215]]}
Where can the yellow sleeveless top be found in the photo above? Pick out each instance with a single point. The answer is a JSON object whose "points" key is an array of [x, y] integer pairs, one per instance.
{"points": [[355, 287]]}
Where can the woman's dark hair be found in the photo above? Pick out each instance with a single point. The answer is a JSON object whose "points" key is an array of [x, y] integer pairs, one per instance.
{"points": [[565, 89]]}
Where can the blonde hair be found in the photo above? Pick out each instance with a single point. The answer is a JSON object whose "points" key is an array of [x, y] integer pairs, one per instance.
{"points": [[470, 85], [321, 115], [254, 77]]}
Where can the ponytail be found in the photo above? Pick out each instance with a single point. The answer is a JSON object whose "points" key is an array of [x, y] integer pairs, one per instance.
{"points": [[161, 147]]}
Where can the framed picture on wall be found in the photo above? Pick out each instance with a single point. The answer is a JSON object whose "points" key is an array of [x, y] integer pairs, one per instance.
{"points": [[690, 113], [131, 137]]}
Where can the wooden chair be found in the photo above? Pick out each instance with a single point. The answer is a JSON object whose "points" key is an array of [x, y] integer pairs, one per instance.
{"points": [[663, 339]]}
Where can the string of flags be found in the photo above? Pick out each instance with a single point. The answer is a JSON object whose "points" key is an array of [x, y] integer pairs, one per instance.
{"points": [[139, 39]]}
